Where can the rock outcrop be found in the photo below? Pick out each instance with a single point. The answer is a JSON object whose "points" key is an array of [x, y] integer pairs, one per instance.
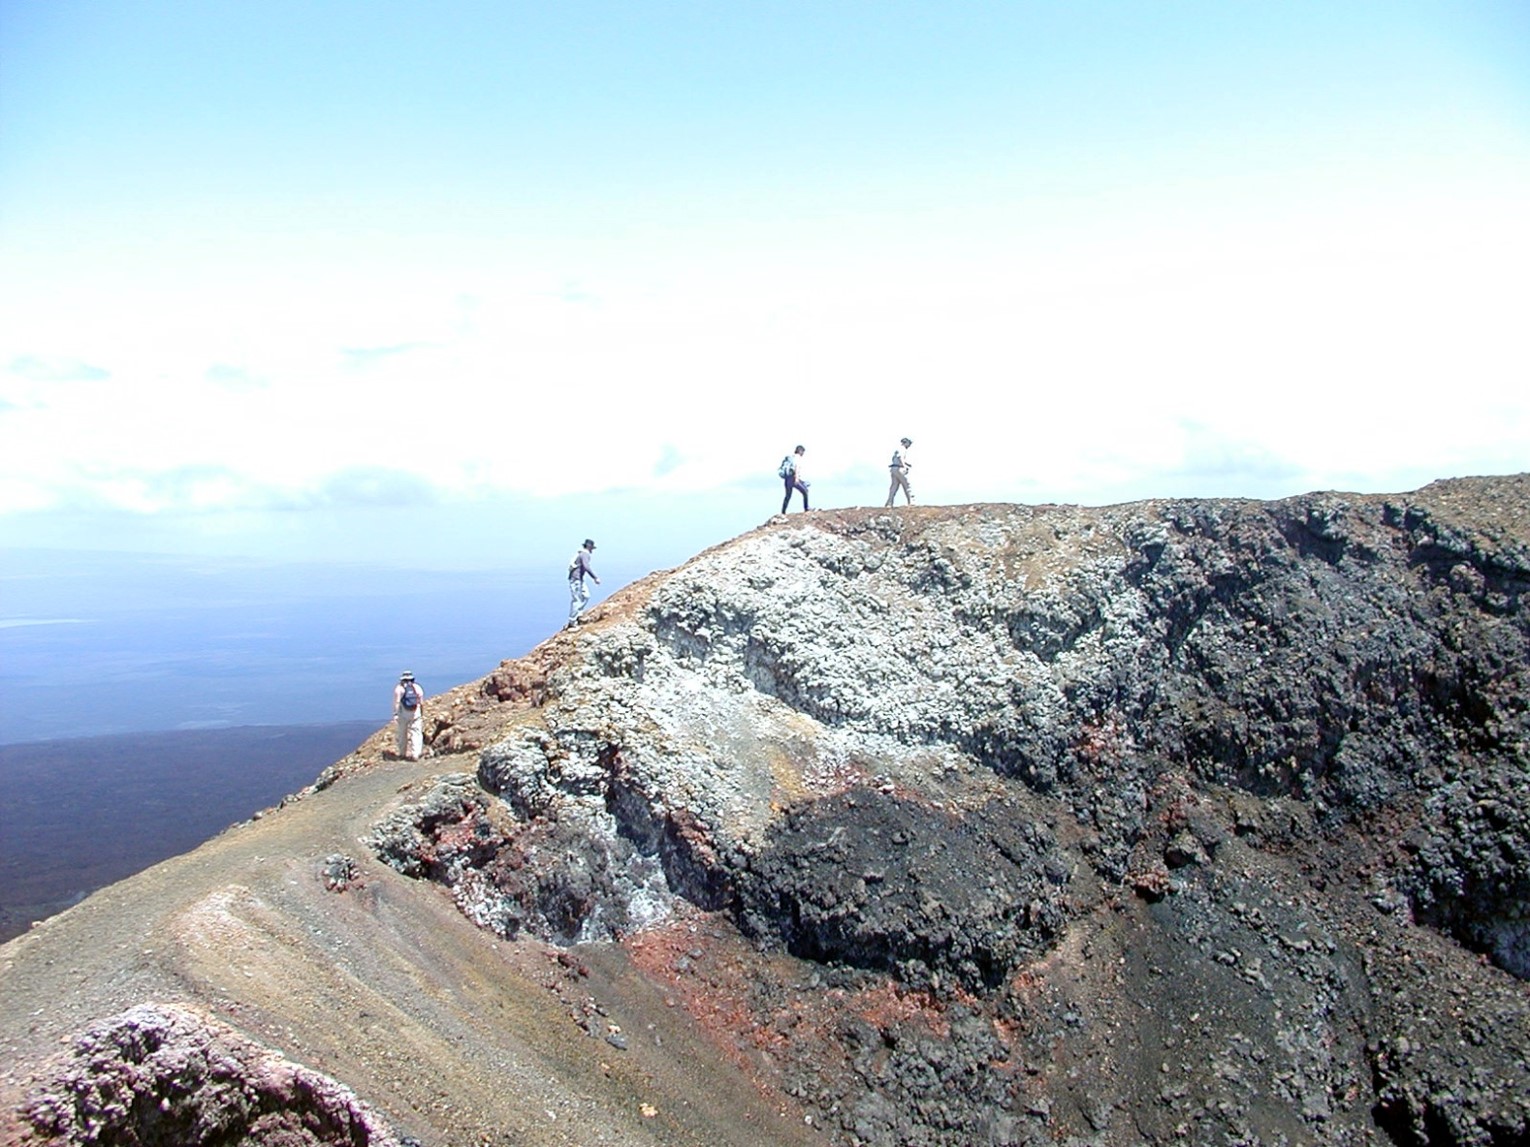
{"points": [[1196, 815], [1175, 822], [166, 1075]]}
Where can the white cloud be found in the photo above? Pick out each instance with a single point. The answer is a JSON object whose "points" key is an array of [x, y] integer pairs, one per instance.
{"points": [[55, 369], [234, 377], [1306, 348]]}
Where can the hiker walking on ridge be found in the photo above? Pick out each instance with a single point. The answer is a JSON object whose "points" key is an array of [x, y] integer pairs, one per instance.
{"points": [[578, 569], [791, 474], [899, 471], [409, 717]]}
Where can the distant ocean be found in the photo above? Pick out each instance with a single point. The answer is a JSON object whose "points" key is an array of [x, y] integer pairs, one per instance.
{"points": [[104, 643], [147, 702]]}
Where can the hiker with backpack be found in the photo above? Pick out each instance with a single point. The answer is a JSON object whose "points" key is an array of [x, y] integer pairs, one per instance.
{"points": [[790, 472], [409, 717], [578, 569], [899, 470]]}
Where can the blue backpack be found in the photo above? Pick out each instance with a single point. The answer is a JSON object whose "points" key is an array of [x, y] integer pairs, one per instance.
{"points": [[411, 698], [787, 468]]}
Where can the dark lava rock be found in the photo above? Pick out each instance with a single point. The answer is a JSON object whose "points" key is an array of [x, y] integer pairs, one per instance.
{"points": [[879, 882]]}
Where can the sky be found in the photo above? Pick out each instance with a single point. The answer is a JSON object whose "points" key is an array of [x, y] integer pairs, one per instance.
{"points": [[463, 283]]}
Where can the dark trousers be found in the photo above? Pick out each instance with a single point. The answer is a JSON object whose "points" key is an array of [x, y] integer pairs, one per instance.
{"points": [[793, 484]]}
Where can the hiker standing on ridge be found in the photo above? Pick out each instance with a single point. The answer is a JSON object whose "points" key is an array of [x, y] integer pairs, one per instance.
{"points": [[899, 471], [791, 474], [579, 597], [409, 717]]}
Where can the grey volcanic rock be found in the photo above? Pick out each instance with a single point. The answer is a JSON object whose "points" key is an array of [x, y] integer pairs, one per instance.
{"points": [[552, 877], [1258, 758], [1329, 650]]}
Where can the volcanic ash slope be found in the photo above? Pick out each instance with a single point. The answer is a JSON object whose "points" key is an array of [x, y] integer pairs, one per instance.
{"points": [[1182, 821]]}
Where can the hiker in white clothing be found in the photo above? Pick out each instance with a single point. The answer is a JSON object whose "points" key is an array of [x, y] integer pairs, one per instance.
{"points": [[578, 569], [409, 717]]}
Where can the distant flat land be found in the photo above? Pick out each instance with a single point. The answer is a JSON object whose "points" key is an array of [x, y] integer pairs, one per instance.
{"points": [[77, 815]]}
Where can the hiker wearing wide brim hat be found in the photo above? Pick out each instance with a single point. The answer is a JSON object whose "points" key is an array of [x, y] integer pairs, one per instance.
{"points": [[899, 471], [409, 717], [578, 569]]}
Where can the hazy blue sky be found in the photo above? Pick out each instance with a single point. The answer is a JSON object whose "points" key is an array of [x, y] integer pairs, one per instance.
{"points": [[468, 281]]}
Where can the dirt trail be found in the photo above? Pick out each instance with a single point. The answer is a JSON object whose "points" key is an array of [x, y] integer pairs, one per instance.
{"points": [[455, 1036]]}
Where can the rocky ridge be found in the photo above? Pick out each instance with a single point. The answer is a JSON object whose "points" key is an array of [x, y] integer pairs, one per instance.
{"points": [[1180, 821]]}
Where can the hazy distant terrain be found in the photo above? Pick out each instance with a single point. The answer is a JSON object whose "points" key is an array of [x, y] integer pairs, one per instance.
{"points": [[77, 815]]}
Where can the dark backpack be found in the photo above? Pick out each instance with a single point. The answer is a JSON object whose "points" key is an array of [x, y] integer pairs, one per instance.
{"points": [[411, 698], [787, 468]]}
